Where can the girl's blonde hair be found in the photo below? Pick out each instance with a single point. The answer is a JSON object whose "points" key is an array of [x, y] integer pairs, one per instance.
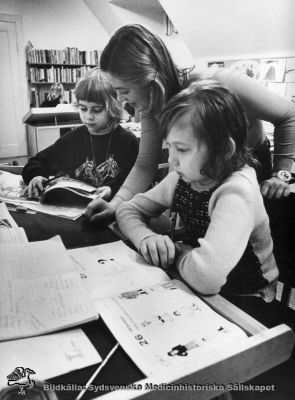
{"points": [[93, 87], [136, 55], [56, 87], [224, 127]]}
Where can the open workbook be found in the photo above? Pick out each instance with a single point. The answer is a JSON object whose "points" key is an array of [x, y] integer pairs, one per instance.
{"points": [[158, 321], [63, 197], [161, 324]]}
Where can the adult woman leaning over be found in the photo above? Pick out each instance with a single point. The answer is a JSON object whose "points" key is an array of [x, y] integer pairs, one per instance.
{"points": [[138, 65]]}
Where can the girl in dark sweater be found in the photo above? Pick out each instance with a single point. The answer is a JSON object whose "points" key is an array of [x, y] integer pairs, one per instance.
{"points": [[100, 152]]}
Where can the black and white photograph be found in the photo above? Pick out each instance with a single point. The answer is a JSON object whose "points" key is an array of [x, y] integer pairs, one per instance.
{"points": [[147, 199]]}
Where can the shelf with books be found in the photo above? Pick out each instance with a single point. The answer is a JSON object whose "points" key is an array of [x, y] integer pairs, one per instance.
{"points": [[39, 91], [54, 73], [60, 65], [69, 55], [48, 66]]}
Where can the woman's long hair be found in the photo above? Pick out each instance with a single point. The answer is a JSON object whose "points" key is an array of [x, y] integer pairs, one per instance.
{"points": [[136, 55]]}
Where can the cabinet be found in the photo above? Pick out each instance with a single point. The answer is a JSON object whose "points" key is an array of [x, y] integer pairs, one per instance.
{"points": [[44, 67], [40, 137], [46, 125]]}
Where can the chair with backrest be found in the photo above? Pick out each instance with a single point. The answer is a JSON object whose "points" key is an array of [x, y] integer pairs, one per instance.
{"points": [[282, 223]]}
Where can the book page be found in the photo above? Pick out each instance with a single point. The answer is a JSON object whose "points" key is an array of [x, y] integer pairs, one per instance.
{"points": [[65, 182], [6, 219], [35, 259], [40, 290], [13, 235], [11, 187], [166, 327], [11, 191], [111, 268], [70, 212], [48, 356], [32, 307]]}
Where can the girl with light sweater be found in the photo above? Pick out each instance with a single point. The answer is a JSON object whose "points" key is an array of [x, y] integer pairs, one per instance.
{"points": [[214, 189]]}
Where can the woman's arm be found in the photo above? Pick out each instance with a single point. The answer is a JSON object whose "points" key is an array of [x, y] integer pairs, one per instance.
{"points": [[141, 176], [132, 216], [144, 170], [260, 103]]}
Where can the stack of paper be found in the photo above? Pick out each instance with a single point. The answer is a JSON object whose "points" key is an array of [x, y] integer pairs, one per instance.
{"points": [[9, 231], [40, 291]]}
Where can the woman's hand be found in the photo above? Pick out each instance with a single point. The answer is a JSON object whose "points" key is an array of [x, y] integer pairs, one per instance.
{"points": [[104, 192], [158, 250], [275, 188], [100, 210], [36, 186]]}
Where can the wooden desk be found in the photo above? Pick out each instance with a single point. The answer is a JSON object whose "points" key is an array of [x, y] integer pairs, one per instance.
{"points": [[78, 233], [264, 349]]}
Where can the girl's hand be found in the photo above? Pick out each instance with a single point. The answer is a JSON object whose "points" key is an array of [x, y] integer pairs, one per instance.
{"points": [[104, 192], [100, 210], [35, 187], [158, 250], [275, 188]]}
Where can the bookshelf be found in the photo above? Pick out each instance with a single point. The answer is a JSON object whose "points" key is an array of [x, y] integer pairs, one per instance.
{"points": [[44, 67]]}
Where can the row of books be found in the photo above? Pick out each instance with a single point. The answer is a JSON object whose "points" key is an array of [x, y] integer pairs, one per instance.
{"points": [[37, 97], [56, 74], [70, 55]]}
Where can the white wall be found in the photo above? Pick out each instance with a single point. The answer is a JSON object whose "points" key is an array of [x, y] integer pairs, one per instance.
{"points": [[232, 29], [56, 24], [114, 13], [51, 24]]}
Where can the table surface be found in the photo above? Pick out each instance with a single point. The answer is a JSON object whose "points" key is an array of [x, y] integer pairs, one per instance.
{"points": [[79, 233], [120, 369]]}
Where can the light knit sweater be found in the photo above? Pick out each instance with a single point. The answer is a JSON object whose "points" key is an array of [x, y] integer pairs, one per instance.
{"points": [[237, 215], [259, 104]]}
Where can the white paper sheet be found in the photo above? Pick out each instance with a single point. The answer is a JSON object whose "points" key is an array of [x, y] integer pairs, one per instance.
{"points": [[40, 291], [111, 268], [13, 235], [48, 356], [166, 327], [6, 219]]}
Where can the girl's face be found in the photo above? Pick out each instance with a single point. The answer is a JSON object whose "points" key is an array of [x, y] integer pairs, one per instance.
{"points": [[137, 97], [93, 115], [187, 154], [55, 93]]}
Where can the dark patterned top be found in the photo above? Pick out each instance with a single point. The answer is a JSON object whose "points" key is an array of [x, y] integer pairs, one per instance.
{"points": [[192, 206], [92, 159]]}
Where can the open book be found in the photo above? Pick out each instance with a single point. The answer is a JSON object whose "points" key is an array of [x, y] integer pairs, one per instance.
{"points": [[67, 191], [63, 197], [161, 324]]}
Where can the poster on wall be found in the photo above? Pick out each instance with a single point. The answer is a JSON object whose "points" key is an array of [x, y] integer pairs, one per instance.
{"points": [[216, 64], [248, 67], [272, 69], [290, 92], [278, 88], [290, 70]]}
